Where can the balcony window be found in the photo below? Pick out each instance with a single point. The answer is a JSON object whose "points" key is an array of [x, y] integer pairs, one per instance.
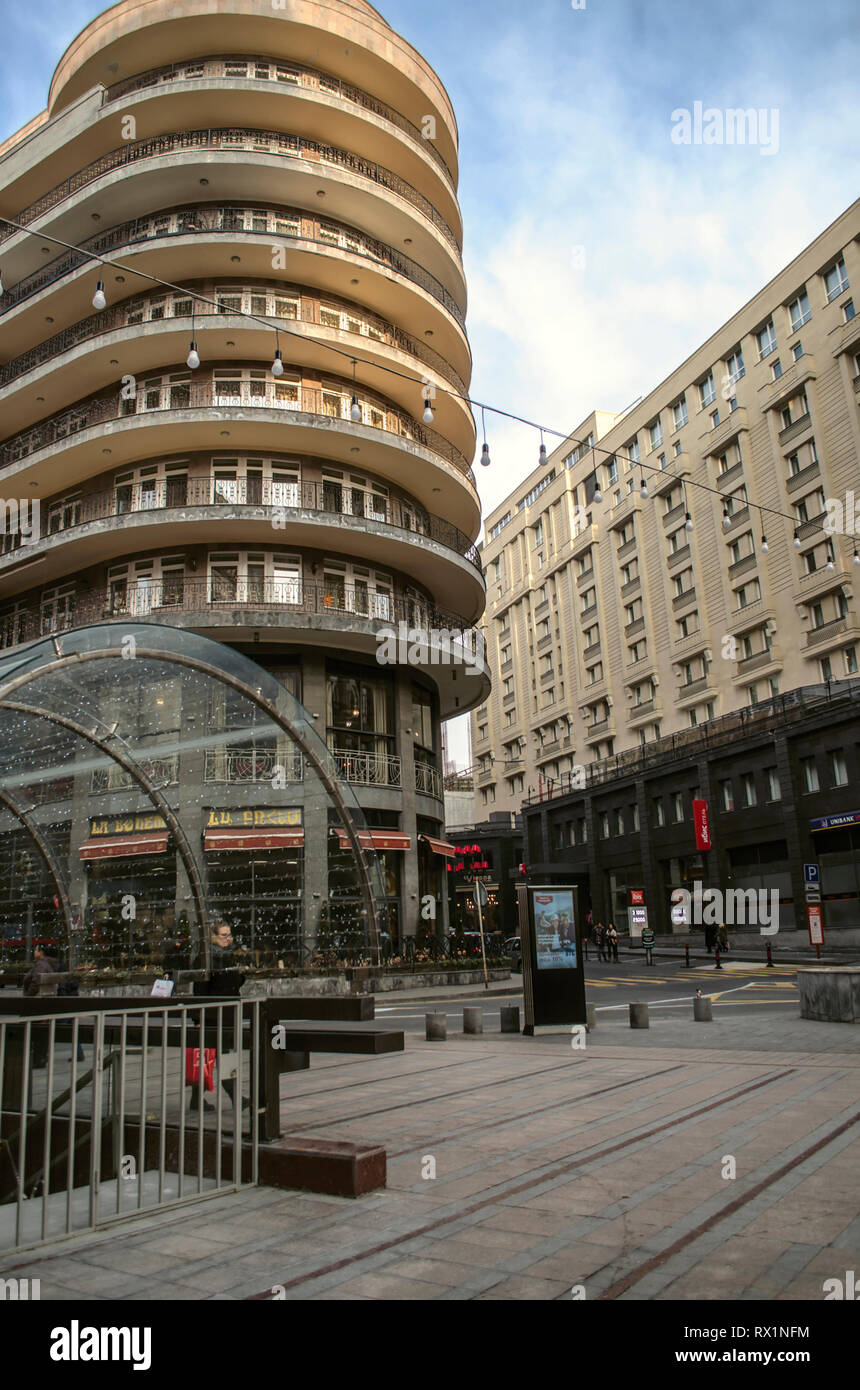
{"points": [[735, 365], [835, 280], [809, 775], [766, 339], [655, 434], [799, 311], [707, 391]]}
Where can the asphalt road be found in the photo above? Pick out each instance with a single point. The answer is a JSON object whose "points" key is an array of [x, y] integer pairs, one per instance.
{"points": [[664, 986]]}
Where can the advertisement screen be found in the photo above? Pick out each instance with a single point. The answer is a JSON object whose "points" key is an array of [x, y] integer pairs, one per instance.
{"points": [[555, 929]]}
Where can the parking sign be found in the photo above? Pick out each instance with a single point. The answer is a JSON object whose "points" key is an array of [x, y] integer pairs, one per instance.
{"points": [[811, 874]]}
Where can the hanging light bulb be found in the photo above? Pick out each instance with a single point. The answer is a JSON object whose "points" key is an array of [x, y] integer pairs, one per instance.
{"points": [[643, 486], [727, 520], [427, 417], [1, 282], [764, 543], [796, 539], [688, 522], [193, 358], [278, 364], [355, 411], [856, 556], [598, 495], [831, 564], [485, 451], [99, 301]]}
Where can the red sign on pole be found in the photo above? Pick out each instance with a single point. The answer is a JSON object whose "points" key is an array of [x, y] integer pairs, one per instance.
{"points": [[815, 924], [637, 897], [702, 824]]}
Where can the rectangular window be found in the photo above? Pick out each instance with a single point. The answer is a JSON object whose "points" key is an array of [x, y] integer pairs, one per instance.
{"points": [[727, 799], [679, 413], [707, 391], [766, 339], [835, 280], [748, 785], [838, 770], [655, 434], [809, 775], [677, 806], [774, 787], [799, 311]]}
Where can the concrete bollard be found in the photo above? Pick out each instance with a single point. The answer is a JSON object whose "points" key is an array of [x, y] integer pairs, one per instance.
{"points": [[436, 1027], [510, 1018], [473, 1020], [590, 1018], [703, 1011], [639, 1016]]}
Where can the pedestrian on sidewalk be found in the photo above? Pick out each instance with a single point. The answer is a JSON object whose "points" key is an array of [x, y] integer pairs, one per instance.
{"points": [[31, 986], [723, 938], [612, 943], [648, 943], [600, 940]]}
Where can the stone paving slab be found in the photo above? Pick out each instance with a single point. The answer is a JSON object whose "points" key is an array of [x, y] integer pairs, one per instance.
{"points": [[553, 1168]]}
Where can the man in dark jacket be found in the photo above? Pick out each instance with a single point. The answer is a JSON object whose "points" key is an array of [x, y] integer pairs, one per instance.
{"points": [[43, 965], [222, 981]]}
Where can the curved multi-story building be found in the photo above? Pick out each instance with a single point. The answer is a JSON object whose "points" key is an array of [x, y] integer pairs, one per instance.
{"points": [[287, 178]]}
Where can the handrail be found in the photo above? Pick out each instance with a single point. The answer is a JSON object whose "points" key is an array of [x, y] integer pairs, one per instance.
{"points": [[26, 618], [199, 69], [205, 391], [200, 220], [125, 315], [233, 138], [330, 499]]}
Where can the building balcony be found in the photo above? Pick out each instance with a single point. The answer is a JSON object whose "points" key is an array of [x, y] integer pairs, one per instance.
{"points": [[791, 381], [327, 253], [582, 579], [743, 566], [544, 643], [238, 766], [684, 600], [587, 536], [548, 752], [837, 633], [795, 481], [428, 780], [676, 471], [509, 700], [632, 629], [161, 771], [764, 663], [694, 690], [282, 76], [729, 476], [716, 440], [820, 582], [684, 647], [630, 588], [134, 156], [674, 515], [626, 550], [737, 521], [506, 668], [623, 510], [262, 611], [594, 649], [798, 429], [637, 714], [547, 678], [678, 557], [605, 728], [754, 614]]}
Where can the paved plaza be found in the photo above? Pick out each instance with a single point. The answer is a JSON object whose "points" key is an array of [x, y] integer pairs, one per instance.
{"points": [[605, 1170]]}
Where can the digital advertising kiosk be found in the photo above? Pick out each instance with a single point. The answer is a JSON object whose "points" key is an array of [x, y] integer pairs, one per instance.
{"points": [[553, 974]]}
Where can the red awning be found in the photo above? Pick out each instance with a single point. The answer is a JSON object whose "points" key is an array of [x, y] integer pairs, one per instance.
{"points": [[376, 839], [440, 847], [124, 846], [256, 837]]}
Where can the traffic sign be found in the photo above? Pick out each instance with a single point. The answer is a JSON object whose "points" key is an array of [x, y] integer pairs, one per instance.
{"points": [[813, 895], [811, 873], [815, 924]]}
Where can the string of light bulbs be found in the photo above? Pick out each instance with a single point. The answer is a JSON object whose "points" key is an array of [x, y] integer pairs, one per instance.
{"points": [[193, 361]]}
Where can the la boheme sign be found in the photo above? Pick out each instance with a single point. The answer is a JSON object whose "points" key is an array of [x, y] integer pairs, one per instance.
{"points": [[255, 815], [127, 825]]}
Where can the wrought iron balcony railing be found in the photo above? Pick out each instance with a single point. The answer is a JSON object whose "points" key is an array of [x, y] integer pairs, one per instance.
{"points": [[240, 765], [160, 308], [294, 224], [367, 769], [67, 515], [208, 389], [266, 69], [428, 780], [179, 597], [239, 140]]}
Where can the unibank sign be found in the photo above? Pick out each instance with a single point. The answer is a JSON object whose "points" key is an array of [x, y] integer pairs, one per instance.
{"points": [[834, 822]]}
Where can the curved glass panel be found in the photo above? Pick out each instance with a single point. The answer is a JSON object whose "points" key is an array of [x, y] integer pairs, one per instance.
{"points": [[154, 782]]}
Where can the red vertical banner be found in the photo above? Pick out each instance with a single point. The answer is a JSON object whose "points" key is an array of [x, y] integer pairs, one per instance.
{"points": [[702, 824]]}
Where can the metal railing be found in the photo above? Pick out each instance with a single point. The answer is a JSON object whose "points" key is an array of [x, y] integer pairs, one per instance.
{"points": [[154, 308], [367, 769], [204, 392], [233, 139], [94, 1122], [428, 780], [181, 598], [278, 497], [793, 707], [239, 765], [267, 69], [284, 223], [162, 771]]}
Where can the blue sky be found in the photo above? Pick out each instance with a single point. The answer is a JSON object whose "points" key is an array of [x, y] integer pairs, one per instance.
{"points": [[565, 122]]}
